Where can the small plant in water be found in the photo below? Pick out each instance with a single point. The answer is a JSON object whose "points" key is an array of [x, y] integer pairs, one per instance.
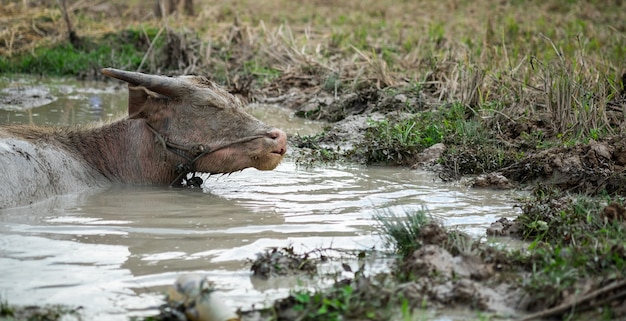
{"points": [[5, 309], [402, 233], [37, 313]]}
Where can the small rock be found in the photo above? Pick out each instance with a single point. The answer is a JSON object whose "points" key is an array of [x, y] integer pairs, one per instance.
{"points": [[496, 229], [614, 212], [435, 260], [492, 180], [400, 98], [503, 227], [431, 154], [601, 149]]}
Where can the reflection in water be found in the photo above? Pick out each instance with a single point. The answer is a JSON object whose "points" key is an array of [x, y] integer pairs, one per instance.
{"points": [[114, 250], [72, 102]]}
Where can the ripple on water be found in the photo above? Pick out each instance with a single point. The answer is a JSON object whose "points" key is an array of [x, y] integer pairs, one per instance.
{"points": [[124, 244]]}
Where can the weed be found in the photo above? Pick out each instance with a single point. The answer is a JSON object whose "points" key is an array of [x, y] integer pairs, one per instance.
{"points": [[37, 313], [361, 298], [399, 141], [323, 306], [535, 140], [574, 238], [282, 261], [466, 132], [333, 84], [313, 149], [5, 309], [402, 233], [474, 159]]}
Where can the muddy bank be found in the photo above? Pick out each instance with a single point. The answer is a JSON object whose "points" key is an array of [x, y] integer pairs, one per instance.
{"points": [[47, 313], [589, 166], [450, 270]]}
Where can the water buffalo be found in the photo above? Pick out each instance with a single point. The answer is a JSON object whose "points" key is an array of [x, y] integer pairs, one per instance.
{"points": [[175, 126]]}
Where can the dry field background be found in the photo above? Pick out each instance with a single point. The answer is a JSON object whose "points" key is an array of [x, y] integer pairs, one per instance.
{"points": [[496, 54]]}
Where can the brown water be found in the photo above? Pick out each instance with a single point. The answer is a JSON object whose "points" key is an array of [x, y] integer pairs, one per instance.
{"points": [[114, 251]]}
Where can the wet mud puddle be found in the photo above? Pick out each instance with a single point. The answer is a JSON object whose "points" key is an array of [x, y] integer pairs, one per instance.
{"points": [[114, 251]]}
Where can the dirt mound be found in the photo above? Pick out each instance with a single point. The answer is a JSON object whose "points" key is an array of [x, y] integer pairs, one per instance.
{"points": [[589, 168], [445, 271], [462, 280], [447, 274], [282, 261]]}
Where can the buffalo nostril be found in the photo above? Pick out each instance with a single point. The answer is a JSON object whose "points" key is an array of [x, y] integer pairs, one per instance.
{"points": [[275, 133]]}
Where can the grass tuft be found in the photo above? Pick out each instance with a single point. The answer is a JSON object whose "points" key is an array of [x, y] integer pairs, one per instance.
{"points": [[402, 233]]}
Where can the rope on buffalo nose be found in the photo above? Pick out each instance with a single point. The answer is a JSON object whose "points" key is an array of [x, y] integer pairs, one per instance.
{"points": [[191, 153], [190, 167]]}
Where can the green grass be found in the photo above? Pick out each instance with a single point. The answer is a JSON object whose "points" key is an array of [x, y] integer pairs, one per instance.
{"points": [[360, 298], [124, 50], [325, 305], [402, 233], [5, 309], [66, 60], [571, 240], [37, 313], [397, 141]]}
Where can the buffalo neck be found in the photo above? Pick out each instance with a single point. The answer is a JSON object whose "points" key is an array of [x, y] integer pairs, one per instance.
{"points": [[124, 151]]}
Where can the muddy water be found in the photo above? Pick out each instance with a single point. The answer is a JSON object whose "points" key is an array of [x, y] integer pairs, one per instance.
{"points": [[114, 250]]}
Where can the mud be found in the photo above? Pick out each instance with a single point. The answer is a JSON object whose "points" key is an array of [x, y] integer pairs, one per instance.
{"points": [[585, 168], [504, 227], [492, 180], [588, 168], [311, 97], [508, 162], [282, 261], [25, 97], [457, 281], [449, 270], [614, 213]]}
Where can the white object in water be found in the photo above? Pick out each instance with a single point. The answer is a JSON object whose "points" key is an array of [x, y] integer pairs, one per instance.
{"points": [[200, 300]]}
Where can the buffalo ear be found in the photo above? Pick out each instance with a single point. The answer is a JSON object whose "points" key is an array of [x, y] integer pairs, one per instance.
{"points": [[141, 102]]}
